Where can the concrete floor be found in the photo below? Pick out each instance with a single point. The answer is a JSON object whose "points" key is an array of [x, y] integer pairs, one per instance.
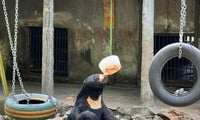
{"points": [[114, 96]]}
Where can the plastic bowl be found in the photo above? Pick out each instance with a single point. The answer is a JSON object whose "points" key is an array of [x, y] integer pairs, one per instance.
{"points": [[110, 65]]}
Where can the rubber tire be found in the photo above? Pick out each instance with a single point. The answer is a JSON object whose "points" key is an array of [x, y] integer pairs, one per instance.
{"points": [[40, 111], [160, 59]]}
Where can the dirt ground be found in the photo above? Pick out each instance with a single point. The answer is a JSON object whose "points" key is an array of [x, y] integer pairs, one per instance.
{"points": [[125, 96]]}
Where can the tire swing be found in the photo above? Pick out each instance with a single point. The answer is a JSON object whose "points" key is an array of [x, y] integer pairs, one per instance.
{"points": [[25, 106], [180, 50], [36, 107], [156, 83]]}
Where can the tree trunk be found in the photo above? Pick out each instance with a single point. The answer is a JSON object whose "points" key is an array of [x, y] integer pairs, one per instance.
{"points": [[48, 47]]}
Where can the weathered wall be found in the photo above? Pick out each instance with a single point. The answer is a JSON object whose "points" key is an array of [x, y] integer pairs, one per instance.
{"points": [[167, 15], [84, 20]]}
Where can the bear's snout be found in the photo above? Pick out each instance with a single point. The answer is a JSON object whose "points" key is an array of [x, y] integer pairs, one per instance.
{"points": [[103, 78]]}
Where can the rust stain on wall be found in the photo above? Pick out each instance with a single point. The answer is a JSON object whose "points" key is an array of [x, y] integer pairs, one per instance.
{"points": [[107, 16]]}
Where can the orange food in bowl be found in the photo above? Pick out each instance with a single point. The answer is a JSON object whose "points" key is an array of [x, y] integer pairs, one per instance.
{"points": [[111, 69]]}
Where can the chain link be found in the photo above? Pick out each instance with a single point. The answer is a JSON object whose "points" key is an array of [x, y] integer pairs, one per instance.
{"points": [[13, 45], [182, 24]]}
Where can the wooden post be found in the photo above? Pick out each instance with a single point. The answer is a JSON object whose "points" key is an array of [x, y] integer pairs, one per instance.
{"points": [[147, 50], [48, 47], [3, 77]]}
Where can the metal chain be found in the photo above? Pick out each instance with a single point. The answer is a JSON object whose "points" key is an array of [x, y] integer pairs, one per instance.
{"points": [[182, 24], [13, 45]]}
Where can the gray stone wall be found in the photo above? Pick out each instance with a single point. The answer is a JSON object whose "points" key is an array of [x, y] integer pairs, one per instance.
{"points": [[167, 15], [84, 20]]}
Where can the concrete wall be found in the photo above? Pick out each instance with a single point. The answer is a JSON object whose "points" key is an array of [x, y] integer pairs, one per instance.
{"points": [[84, 20], [167, 15]]}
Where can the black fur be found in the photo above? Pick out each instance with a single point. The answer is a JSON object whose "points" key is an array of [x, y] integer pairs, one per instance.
{"points": [[81, 111]]}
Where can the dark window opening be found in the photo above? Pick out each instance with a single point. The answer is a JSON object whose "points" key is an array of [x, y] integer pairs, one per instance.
{"points": [[35, 35], [60, 50], [176, 72]]}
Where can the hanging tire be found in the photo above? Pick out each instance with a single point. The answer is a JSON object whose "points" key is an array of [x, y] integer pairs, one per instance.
{"points": [[159, 89], [40, 107]]}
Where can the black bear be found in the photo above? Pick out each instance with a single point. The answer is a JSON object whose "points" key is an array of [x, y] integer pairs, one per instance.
{"points": [[89, 104]]}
